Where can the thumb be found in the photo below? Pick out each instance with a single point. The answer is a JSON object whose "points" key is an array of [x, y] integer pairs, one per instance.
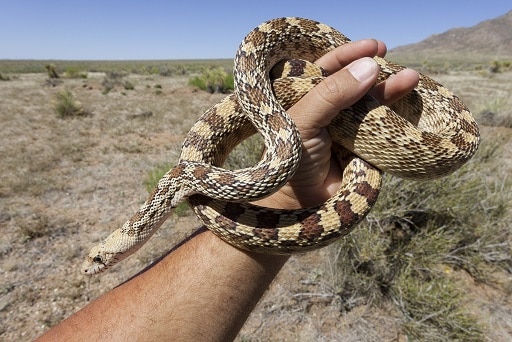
{"points": [[336, 92]]}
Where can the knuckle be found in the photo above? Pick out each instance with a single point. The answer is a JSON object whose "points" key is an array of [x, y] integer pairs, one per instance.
{"points": [[331, 92]]}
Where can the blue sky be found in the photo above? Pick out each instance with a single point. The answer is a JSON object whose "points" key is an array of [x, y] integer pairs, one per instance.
{"points": [[39, 29]]}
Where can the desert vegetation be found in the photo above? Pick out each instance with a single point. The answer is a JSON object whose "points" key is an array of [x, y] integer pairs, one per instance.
{"points": [[157, 67], [215, 80], [431, 262], [66, 105]]}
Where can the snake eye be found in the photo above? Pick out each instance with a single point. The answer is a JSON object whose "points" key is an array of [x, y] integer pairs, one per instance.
{"points": [[98, 259]]}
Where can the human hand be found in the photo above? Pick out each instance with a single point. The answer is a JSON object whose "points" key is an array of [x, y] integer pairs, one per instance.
{"points": [[353, 73]]}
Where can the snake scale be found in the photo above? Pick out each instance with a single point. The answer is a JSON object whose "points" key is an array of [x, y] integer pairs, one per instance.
{"points": [[427, 134]]}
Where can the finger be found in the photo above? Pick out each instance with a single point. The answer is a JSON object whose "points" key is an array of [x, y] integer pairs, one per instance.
{"points": [[345, 54], [395, 87], [337, 91], [381, 49]]}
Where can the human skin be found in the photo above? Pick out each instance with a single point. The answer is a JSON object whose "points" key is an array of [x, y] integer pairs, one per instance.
{"points": [[205, 289]]}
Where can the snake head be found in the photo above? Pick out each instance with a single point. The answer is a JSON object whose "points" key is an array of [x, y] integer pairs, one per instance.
{"points": [[98, 260]]}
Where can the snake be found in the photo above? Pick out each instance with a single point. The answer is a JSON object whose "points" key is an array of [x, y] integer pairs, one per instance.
{"points": [[427, 134]]}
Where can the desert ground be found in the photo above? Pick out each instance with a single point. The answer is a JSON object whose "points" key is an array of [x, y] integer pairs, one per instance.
{"points": [[66, 183]]}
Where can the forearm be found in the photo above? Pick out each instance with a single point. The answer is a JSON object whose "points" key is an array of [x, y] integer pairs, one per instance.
{"points": [[202, 291]]}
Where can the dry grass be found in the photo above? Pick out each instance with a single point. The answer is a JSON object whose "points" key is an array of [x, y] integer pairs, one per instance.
{"points": [[65, 184], [145, 67], [488, 95]]}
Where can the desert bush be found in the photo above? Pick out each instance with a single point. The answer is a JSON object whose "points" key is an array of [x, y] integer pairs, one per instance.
{"points": [[158, 89], [66, 106], [177, 70], [52, 71], [75, 72], [111, 80], [116, 75], [500, 66], [108, 84], [4, 78], [151, 70], [127, 85], [198, 82], [214, 80], [165, 72]]}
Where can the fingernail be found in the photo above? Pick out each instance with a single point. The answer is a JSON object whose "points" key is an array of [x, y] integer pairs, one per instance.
{"points": [[363, 68]]}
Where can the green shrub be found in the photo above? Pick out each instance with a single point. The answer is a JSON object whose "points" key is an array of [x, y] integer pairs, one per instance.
{"points": [[174, 70], [128, 85], [75, 72], [198, 82], [52, 71], [500, 66], [66, 106], [151, 70], [4, 78], [214, 80]]}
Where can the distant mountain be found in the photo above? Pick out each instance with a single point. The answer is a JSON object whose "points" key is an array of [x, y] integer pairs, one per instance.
{"points": [[491, 38]]}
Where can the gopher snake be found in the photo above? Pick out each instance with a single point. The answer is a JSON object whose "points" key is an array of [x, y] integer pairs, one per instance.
{"points": [[433, 135]]}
